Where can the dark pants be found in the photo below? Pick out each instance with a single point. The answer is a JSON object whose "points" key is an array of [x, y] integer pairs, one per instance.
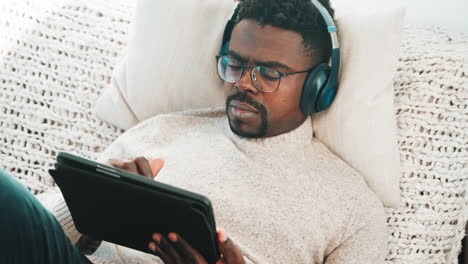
{"points": [[28, 232]]}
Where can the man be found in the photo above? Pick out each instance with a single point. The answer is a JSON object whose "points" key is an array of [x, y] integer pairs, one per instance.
{"points": [[281, 195]]}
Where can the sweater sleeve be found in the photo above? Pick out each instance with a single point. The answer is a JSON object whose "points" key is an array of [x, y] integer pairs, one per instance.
{"points": [[54, 202], [364, 241], [97, 260]]}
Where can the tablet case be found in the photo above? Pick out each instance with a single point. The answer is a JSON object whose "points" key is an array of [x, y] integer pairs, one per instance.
{"points": [[110, 204]]}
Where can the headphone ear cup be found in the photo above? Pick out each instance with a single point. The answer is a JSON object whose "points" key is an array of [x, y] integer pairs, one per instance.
{"points": [[326, 96], [313, 86]]}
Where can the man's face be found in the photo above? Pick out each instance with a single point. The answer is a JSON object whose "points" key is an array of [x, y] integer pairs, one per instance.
{"points": [[253, 113]]}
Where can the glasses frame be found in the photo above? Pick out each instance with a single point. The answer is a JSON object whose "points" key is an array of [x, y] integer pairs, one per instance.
{"points": [[281, 74]]}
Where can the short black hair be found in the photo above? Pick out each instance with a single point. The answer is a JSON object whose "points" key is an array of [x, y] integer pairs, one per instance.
{"points": [[300, 16]]}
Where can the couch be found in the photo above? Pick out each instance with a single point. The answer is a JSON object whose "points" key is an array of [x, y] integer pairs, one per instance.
{"points": [[56, 58]]}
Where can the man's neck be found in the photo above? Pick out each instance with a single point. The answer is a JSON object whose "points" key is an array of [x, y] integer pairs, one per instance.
{"points": [[285, 127]]}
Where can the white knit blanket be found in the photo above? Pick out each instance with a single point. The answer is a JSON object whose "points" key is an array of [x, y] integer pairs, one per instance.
{"points": [[57, 56]]}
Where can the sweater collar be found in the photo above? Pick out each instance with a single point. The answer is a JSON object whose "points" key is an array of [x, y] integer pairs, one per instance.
{"points": [[283, 143]]}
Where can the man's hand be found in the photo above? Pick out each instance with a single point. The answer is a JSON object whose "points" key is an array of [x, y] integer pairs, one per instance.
{"points": [[139, 165], [175, 250]]}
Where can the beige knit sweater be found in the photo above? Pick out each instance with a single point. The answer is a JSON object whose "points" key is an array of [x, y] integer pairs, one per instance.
{"points": [[284, 199]]}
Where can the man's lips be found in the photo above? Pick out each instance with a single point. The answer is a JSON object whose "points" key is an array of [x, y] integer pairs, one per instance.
{"points": [[243, 106]]}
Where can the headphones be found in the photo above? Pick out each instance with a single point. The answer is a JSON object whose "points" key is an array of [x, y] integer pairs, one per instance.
{"points": [[321, 83]]}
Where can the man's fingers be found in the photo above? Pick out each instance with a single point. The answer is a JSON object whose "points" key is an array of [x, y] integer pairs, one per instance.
{"points": [[167, 248], [131, 166], [139, 166], [188, 253], [175, 250], [143, 167], [127, 165], [158, 252], [115, 163], [154, 248], [230, 252]]}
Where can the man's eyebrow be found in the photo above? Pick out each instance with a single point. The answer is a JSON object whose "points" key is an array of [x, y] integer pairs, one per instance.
{"points": [[271, 64], [236, 56]]}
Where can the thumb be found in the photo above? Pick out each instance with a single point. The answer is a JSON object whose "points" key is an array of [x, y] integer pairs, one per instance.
{"points": [[231, 253], [156, 165]]}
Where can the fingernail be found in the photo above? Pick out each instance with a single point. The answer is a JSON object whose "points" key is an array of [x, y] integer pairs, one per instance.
{"points": [[156, 165], [222, 236], [172, 237], [157, 238], [152, 246]]}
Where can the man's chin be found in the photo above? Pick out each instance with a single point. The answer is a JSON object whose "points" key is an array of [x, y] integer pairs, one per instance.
{"points": [[243, 129], [248, 124]]}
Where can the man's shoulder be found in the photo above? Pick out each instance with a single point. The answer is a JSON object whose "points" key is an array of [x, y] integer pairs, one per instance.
{"points": [[344, 201], [346, 184], [361, 203], [355, 203]]}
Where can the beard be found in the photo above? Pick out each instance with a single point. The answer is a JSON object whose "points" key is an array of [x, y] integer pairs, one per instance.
{"points": [[235, 124]]}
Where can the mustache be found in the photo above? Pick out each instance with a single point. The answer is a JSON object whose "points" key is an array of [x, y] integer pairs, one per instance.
{"points": [[244, 98]]}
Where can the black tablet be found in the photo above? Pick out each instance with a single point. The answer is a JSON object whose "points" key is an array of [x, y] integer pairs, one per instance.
{"points": [[114, 205]]}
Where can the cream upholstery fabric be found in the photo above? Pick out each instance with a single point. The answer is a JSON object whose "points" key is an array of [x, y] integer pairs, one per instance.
{"points": [[170, 65], [56, 57], [360, 125]]}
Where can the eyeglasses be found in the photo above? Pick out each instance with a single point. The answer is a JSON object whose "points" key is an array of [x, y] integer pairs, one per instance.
{"points": [[265, 79]]}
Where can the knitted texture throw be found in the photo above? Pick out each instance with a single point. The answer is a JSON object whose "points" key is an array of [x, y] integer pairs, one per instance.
{"points": [[57, 56]]}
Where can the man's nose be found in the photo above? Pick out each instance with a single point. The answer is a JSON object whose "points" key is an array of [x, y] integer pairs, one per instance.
{"points": [[245, 83]]}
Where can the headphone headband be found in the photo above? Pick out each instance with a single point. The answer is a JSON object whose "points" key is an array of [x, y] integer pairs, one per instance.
{"points": [[335, 54], [328, 21]]}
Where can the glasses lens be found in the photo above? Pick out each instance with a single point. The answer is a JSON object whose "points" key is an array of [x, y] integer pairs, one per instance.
{"points": [[265, 79], [229, 69]]}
